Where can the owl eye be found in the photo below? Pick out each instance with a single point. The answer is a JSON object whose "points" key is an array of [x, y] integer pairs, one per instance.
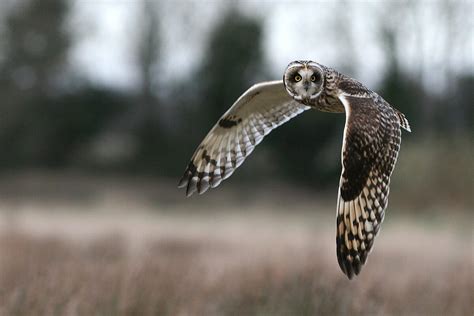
{"points": [[313, 78], [297, 78]]}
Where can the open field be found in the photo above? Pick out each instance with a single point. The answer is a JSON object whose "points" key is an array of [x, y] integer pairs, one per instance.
{"points": [[117, 252]]}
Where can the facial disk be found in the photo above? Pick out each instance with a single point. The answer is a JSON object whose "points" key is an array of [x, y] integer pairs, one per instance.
{"points": [[303, 80]]}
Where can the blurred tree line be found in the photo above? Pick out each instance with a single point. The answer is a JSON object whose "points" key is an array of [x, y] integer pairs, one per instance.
{"points": [[50, 119]]}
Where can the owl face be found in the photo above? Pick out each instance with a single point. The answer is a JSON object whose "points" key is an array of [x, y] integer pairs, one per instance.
{"points": [[304, 80]]}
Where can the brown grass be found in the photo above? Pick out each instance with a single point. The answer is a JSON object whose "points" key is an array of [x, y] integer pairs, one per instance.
{"points": [[198, 275], [116, 247]]}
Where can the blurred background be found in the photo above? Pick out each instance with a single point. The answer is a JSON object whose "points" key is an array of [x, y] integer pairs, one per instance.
{"points": [[103, 103]]}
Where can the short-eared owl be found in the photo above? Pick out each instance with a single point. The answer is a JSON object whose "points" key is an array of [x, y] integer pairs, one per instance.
{"points": [[370, 146]]}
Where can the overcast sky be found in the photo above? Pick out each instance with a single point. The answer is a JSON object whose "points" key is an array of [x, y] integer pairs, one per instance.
{"points": [[333, 33]]}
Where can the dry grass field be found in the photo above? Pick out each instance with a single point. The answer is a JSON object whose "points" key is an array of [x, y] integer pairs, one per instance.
{"points": [[109, 248]]}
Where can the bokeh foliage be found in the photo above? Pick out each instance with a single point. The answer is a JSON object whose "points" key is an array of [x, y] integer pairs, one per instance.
{"points": [[51, 118]]}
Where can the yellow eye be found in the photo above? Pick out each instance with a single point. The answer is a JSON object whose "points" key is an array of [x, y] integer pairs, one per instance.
{"points": [[297, 78], [313, 78]]}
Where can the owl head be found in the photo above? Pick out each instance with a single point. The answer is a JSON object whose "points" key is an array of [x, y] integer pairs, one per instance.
{"points": [[304, 81]]}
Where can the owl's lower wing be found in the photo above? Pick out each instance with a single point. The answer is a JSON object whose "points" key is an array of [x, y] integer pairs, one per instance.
{"points": [[258, 111], [370, 148]]}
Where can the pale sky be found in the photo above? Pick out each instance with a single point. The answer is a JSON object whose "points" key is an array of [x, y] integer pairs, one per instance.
{"points": [[334, 34]]}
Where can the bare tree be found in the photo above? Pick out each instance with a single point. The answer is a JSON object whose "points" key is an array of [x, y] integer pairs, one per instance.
{"points": [[148, 52]]}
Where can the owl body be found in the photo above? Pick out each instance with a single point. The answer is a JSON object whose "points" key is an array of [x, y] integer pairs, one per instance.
{"points": [[370, 146], [328, 102]]}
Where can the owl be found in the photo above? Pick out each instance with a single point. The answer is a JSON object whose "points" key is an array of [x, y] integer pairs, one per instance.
{"points": [[370, 146]]}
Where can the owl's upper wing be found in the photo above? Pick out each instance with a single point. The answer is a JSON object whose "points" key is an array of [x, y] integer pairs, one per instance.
{"points": [[370, 148], [258, 111]]}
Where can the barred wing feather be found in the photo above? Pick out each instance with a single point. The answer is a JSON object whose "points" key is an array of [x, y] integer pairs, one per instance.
{"points": [[372, 137], [256, 113]]}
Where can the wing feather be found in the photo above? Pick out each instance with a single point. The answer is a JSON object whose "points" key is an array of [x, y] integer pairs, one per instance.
{"points": [[254, 115], [371, 143]]}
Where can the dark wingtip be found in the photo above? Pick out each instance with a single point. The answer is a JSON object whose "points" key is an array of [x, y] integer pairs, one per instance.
{"points": [[186, 179], [191, 186], [352, 269], [199, 182], [183, 182], [349, 268], [189, 193]]}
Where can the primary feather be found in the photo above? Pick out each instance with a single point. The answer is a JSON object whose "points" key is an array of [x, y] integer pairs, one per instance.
{"points": [[256, 113]]}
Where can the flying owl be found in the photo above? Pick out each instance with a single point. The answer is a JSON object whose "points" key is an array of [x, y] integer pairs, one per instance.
{"points": [[370, 146]]}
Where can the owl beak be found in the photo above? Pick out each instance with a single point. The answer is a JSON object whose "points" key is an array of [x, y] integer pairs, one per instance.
{"points": [[306, 85]]}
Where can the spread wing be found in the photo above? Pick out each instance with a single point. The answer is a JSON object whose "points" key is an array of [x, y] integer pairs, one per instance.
{"points": [[258, 111], [370, 148]]}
